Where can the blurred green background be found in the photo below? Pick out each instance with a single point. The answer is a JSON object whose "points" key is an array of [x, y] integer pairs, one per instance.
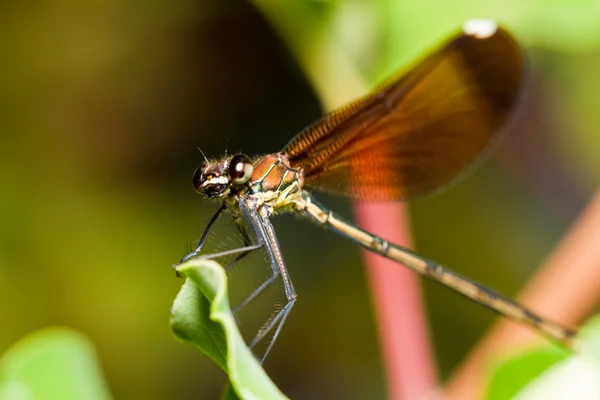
{"points": [[103, 106]]}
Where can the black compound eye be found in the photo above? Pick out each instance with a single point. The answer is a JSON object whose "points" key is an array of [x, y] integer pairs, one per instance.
{"points": [[240, 169], [198, 179]]}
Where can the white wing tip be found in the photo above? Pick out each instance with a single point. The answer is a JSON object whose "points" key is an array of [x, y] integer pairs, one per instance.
{"points": [[480, 28]]}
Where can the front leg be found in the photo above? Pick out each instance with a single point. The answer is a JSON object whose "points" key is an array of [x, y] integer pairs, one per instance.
{"points": [[204, 236], [248, 242]]}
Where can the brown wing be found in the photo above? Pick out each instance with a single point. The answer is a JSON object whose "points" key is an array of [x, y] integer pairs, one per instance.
{"points": [[417, 133]]}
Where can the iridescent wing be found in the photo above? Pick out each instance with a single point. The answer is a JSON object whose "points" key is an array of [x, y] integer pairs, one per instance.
{"points": [[416, 133]]}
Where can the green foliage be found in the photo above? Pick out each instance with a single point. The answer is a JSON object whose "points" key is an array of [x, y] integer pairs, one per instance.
{"points": [[551, 372], [202, 317], [516, 372], [55, 363]]}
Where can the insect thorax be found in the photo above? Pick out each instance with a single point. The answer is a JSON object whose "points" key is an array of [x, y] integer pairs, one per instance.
{"points": [[274, 182]]}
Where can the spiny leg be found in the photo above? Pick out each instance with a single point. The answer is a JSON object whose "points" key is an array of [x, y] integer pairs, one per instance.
{"points": [[204, 236], [262, 238], [290, 293], [278, 319], [281, 316], [247, 248], [242, 250], [276, 268], [265, 233], [247, 241]]}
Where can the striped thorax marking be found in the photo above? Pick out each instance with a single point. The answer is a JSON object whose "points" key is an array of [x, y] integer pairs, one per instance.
{"points": [[274, 182]]}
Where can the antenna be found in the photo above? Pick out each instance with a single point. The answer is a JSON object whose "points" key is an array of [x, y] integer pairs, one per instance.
{"points": [[203, 155]]}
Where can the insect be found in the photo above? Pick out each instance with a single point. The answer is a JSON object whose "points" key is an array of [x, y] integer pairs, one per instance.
{"points": [[410, 137]]}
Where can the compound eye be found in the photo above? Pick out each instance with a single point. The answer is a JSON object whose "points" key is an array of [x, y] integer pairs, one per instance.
{"points": [[198, 179], [240, 169]]}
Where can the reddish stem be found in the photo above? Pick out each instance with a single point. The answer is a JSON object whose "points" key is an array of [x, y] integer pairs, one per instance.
{"points": [[403, 331]]}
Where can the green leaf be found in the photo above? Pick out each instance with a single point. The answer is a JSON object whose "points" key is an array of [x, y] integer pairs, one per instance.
{"points": [[202, 317], [191, 323], [54, 363], [552, 372], [513, 374]]}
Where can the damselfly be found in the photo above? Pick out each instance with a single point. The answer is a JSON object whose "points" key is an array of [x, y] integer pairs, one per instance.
{"points": [[411, 136]]}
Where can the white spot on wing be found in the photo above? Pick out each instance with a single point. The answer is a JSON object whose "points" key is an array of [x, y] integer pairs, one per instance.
{"points": [[480, 28]]}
